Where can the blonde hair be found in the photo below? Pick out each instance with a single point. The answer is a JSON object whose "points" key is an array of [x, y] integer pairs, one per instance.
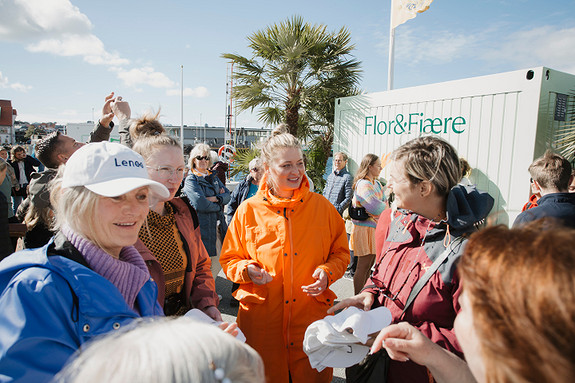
{"points": [[191, 351], [521, 287], [430, 159], [146, 125], [75, 206], [147, 145], [279, 139], [199, 150]]}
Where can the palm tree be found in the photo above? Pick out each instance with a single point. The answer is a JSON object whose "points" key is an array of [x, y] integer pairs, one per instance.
{"points": [[565, 137], [294, 76]]}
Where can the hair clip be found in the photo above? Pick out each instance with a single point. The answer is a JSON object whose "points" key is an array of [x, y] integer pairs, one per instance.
{"points": [[219, 374]]}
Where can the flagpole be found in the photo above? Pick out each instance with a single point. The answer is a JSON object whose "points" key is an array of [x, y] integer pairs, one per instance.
{"points": [[391, 50], [182, 106]]}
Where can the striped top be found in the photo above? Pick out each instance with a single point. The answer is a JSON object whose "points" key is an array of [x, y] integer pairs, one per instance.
{"points": [[371, 197]]}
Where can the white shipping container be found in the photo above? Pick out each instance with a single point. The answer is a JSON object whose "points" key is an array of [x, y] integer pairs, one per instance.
{"points": [[498, 123]]}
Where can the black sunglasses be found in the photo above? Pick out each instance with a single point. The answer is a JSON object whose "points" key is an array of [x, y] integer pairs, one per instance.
{"points": [[199, 158]]}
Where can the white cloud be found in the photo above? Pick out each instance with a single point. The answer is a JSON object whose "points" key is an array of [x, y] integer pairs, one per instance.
{"points": [[493, 45], [25, 20], [88, 46], [547, 45], [199, 92], [57, 27], [6, 84], [145, 75]]}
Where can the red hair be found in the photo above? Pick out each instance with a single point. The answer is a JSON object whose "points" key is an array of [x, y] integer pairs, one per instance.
{"points": [[521, 285]]}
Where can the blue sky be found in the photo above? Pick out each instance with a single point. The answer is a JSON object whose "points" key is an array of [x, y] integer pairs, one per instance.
{"points": [[60, 58]]}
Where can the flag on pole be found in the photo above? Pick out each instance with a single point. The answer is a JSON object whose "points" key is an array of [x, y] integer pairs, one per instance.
{"points": [[403, 10]]}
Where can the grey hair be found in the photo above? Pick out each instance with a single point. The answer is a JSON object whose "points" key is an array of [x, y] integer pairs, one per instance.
{"points": [[199, 150], [255, 163], [165, 350], [342, 154], [214, 157]]}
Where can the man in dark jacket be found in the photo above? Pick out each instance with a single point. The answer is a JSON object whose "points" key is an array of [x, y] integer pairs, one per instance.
{"points": [[54, 150], [6, 247], [338, 190], [551, 176], [245, 189], [23, 165]]}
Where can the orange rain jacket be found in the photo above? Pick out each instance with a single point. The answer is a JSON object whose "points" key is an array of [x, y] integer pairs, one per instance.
{"points": [[289, 238]]}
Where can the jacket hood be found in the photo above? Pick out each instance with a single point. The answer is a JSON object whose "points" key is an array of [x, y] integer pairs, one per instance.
{"points": [[467, 206], [298, 197]]}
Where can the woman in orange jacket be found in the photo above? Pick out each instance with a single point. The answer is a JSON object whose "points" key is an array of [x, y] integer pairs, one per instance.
{"points": [[284, 247]]}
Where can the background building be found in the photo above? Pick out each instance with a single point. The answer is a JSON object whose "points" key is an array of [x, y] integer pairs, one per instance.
{"points": [[7, 118]]}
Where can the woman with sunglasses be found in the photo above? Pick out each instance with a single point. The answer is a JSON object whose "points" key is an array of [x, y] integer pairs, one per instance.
{"points": [[432, 214], [208, 195], [178, 261]]}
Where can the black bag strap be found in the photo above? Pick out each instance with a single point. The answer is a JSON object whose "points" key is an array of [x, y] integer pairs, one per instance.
{"points": [[192, 210], [432, 269]]}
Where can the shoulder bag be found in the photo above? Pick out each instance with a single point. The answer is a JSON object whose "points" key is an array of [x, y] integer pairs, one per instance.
{"points": [[358, 213], [374, 367]]}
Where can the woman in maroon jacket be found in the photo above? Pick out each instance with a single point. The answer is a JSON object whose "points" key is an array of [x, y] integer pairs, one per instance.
{"points": [[177, 258], [431, 213]]}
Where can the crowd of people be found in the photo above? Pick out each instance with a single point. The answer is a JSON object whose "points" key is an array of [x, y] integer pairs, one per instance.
{"points": [[121, 235]]}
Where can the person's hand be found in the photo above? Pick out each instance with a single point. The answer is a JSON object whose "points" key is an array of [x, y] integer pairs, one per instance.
{"points": [[362, 301], [222, 190], [319, 286], [258, 275], [213, 199], [214, 313], [121, 109], [404, 342], [107, 113], [229, 328]]}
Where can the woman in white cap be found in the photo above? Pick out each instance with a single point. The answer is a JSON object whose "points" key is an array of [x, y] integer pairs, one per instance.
{"points": [[89, 279]]}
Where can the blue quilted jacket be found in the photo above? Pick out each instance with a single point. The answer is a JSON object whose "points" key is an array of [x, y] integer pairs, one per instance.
{"points": [[51, 303]]}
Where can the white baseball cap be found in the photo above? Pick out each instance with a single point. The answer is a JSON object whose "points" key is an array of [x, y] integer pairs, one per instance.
{"points": [[110, 169]]}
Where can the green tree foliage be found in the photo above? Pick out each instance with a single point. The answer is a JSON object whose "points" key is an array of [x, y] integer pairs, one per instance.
{"points": [[296, 72], [33, 130]]}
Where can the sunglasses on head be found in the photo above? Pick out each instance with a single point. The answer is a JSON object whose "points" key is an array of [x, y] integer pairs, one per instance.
{"points": [[199, 158]]}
